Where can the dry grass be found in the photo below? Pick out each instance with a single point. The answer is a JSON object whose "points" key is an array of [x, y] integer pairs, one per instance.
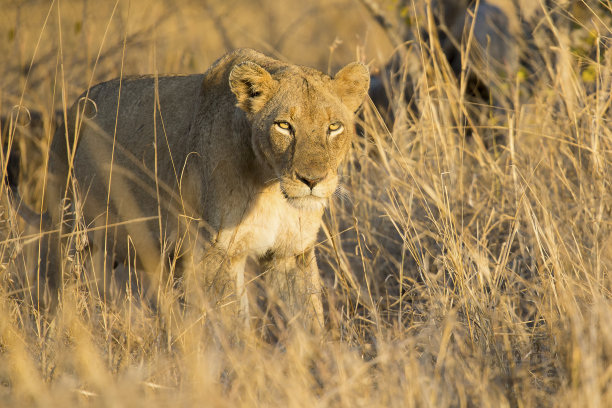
{"points": [[471, 266]]}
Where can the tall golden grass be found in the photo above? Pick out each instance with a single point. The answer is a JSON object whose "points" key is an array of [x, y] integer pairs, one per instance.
{"points": [[470, 265]]}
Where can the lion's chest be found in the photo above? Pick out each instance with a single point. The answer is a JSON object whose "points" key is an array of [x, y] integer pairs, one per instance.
{"points": [[271, 224]]}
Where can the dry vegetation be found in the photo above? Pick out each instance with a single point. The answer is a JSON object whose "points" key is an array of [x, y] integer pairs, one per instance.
{"points": [[471, 265]]}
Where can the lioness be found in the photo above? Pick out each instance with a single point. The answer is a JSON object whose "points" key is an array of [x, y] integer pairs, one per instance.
{"points": [[210, 170]]}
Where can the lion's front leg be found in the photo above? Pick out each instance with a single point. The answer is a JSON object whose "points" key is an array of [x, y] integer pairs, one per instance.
{"points": [[295, 283], [310, 287], [214, 283]]}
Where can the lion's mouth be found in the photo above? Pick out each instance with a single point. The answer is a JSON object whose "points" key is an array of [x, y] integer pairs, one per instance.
{"points": [[303, 193], [303, 198]]}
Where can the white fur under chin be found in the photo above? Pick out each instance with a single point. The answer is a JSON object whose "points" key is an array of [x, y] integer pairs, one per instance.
{"points": [[308, 203]]}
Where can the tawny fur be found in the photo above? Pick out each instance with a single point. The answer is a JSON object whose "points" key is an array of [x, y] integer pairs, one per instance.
{"points": [[204, 159]]}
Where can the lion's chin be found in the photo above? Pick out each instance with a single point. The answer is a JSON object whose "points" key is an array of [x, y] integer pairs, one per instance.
{"points": [[308, 203]]}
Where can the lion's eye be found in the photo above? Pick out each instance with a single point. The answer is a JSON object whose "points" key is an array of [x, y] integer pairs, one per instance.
{"points": [[335, 129], [284, 127]]}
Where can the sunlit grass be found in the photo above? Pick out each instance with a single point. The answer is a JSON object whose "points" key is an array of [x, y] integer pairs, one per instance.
{"points": [[470, 265]]}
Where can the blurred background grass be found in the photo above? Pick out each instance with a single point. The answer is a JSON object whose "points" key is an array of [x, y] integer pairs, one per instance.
{"points": [[170, 37], [469, 267]]}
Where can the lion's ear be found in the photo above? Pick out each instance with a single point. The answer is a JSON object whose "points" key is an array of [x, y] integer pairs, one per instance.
{"points": [[351, 84], [252, 85]]}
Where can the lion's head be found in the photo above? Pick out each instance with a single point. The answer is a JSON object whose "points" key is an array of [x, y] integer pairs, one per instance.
{"points": [[301, 124]]}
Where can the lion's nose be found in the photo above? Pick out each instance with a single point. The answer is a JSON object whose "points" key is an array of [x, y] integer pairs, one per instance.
{"points": [[310, 181]]}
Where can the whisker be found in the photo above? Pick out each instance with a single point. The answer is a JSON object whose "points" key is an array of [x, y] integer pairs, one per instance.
{"points": [[343, 194], [272, 180]]}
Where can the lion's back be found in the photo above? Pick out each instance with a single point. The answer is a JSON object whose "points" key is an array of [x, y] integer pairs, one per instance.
{"points": [[134, 126]]}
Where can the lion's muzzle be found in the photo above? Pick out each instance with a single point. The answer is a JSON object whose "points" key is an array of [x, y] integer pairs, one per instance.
{"points": [[307, 190]]}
